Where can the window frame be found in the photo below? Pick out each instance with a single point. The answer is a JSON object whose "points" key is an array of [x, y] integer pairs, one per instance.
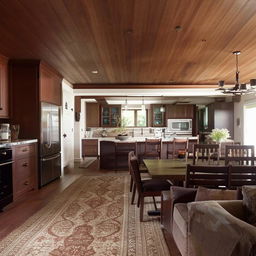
{"points": [[136, 117]]}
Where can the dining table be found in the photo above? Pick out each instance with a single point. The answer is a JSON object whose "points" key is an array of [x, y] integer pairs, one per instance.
{"points": [[169, 169]]}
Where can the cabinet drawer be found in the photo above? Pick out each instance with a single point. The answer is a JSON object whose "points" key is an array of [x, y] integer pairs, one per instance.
{"points": [[24, 167], [90, 142], [23, 185], [24, 150]]}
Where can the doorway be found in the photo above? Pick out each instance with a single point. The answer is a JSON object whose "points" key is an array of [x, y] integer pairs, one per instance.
{"points": [[250, 124]]}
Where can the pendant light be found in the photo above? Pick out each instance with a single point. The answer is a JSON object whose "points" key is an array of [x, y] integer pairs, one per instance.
{"points": [[126, 105], [143, 107], [162, 108]]}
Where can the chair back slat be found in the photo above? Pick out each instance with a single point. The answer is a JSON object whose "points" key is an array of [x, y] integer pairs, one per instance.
{"points": [[206, 152], [242, 175], [209, 176], [239, 154]]}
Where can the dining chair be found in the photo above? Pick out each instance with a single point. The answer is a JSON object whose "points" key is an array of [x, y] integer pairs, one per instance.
{"points": [[241, 175], [207, 176], [208, 153], [239, 154], [143, 170], [180, 148], [191, 143], [146, 188], [152, 148]]}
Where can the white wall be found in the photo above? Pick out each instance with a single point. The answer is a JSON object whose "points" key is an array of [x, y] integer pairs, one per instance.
{"points": [[79, 131], [239, 116], [67, 124]]}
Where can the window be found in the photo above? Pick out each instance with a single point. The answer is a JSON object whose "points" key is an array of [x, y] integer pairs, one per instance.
{"points": [[134, 117], [249, 124]]}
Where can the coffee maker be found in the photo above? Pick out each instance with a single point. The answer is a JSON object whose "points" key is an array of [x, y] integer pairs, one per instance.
{"points": [[4, 131]]}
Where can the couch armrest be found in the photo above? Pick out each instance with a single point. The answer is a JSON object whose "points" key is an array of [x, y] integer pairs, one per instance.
{"points": [[169, 199], [166, 210], [214, 231]]}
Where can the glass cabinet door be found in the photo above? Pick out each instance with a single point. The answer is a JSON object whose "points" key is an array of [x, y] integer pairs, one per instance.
{"points": [[105, 116], [158, 116], [110, 116]]}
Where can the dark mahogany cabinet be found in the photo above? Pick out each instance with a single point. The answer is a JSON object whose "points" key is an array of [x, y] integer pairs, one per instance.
{"points": [[4, 95]]}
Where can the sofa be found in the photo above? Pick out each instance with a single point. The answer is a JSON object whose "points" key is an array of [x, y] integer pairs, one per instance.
{"points": [[200, 225]]}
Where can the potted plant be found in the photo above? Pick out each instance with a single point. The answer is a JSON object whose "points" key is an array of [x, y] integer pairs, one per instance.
{"points": [[121, 131], [219, 135]]}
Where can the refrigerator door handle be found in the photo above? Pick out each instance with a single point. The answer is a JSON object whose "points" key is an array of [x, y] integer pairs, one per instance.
{"points": [[48, 143], [50, 158]]}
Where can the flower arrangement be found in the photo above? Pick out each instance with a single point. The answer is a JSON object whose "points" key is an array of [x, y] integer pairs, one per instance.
{"points": [[219, 135]]}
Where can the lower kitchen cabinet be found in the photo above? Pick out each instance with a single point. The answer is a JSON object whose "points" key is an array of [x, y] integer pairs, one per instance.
{"points": [[24, 169], [90, 147]]}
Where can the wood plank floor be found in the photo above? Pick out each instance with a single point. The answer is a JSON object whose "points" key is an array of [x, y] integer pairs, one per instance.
{"points": [[17, 213]]}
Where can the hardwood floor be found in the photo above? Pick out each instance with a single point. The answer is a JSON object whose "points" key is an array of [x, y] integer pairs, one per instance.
{"points": [[17, 213]]}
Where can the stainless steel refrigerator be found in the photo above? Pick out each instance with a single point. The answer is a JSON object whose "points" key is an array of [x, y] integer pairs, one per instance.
{"points": [[50, 157]]}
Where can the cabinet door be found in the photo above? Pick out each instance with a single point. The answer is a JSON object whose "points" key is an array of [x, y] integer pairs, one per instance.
{"points": [[110, 116], [4, 108], [50, 86], [158, 116], [92, 115]]}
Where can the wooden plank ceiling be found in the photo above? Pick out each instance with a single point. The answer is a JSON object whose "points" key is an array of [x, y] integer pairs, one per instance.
{"points": [[134, 41]]}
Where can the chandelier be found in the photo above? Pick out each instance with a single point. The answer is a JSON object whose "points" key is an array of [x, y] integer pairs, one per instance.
{"points": [[238, 89]]}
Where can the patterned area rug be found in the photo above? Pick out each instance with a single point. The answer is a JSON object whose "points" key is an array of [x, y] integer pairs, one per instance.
{"points": [[91, 217]]}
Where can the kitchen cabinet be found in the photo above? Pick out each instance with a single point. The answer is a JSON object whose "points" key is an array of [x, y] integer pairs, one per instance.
{"points": [[24, 169], [89, 147], [50, 85], [158, 117], [110, 115], [92, 111], [220, 115], [185, 111], [29, 87], [4, 94]]}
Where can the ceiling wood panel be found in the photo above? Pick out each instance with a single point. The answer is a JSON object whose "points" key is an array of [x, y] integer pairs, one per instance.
{"points": [[135, 41]]}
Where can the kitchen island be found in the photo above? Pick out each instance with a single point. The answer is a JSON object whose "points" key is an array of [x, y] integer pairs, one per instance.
{"points": [[112, 151]]}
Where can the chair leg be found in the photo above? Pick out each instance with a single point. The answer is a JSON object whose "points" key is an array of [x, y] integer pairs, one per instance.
{"points": [[133, 193], [141, 207], [131, 184], [138, 202], [154, 200]]}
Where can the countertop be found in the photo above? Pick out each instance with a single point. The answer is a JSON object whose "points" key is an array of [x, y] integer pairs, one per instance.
{"points": [[139, 139], [8, 143]]}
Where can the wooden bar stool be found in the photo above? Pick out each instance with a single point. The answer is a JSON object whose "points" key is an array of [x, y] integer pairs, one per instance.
{"points": [[153, 148], [180, 147]]}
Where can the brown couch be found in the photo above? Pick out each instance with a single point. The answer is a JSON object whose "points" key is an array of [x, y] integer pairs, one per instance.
{"points": [[199, 228]]}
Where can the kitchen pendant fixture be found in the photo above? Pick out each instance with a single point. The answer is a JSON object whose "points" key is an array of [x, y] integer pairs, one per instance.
{"points": [[126, 104], [143, 108], [238, 89], [162, 108]]}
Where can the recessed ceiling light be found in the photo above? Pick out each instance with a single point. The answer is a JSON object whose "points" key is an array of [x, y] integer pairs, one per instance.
{"points": [[95, 71]]}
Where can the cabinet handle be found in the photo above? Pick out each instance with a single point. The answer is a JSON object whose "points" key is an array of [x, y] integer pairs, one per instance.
{"points": [[26, 183], [25, 165], [24, 150]]}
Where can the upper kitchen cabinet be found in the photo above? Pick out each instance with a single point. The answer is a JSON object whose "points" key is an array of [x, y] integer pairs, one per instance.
{"points": [[110, 115], [158, 117], [4, 95], [92, 115], [185, 111], [29, 86], [50, 85]]}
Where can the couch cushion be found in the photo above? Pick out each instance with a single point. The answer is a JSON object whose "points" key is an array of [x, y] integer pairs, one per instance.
{"points": [[205, 194], [155, 185], [249, 201]]}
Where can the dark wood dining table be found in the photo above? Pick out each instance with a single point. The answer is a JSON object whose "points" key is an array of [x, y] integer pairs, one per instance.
{"points": [[171, 169]]}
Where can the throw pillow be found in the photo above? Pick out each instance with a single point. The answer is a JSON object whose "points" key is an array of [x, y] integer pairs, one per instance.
{"points": [[249, 201], [205, 194]]}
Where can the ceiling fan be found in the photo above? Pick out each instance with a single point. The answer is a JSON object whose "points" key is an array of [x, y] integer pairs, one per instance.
{"points": [[238, 89]]}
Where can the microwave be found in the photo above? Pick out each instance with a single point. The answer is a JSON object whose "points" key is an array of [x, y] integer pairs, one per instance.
{"points": [[180, 125]]}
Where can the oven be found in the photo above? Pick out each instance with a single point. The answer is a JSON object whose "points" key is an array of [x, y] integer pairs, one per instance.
{"points": [[6, 194]]}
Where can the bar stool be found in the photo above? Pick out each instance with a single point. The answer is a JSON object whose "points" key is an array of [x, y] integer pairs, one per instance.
{"points": [[180, 147], [153, 148]]}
